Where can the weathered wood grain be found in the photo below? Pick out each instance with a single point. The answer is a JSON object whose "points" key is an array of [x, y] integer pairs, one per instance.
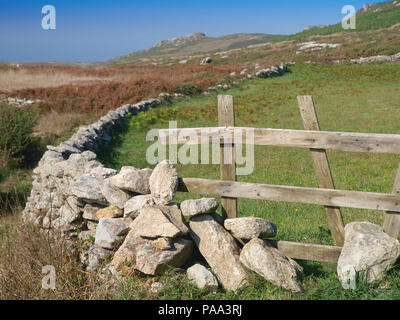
{"points": [[344, 141], [325, 197], [312, 252], [322, 168], [392, 221], [226, 117]]}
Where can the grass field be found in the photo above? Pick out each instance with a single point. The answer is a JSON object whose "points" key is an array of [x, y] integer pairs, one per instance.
{"points": [[348, 98]]}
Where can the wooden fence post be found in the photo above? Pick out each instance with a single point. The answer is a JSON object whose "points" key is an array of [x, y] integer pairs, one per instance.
{"points": [[226, 118], [322, 169], [392, 221]]}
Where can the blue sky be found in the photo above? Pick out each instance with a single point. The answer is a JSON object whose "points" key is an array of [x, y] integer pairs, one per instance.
{"points": [[97, 30]]}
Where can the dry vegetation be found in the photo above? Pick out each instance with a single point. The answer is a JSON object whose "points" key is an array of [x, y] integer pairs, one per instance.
{"points": [[113, 86]]}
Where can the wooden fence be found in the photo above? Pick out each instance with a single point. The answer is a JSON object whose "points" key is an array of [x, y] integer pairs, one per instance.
{"points": [[317, 141]]}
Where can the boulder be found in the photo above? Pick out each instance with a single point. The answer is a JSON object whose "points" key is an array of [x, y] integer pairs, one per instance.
{"points": [[220, 250], [109, 231], [162, 243], [174, 214], [153, 223], [367, 248], [192, 208], [137, 253], [109, 212], [133, 206], [164, 182], [248, 228], [114, 195], [262, 258], [132, 179], [206, 60], [202, 278]]}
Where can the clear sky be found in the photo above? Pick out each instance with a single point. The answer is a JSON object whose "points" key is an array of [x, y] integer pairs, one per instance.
{"points": [[97, 30]]}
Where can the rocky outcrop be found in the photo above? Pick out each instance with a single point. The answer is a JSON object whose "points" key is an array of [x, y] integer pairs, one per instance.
{"points": [[367, 249], [176, 42]]}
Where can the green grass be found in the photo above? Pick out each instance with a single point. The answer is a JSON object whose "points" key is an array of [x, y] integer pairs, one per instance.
{"points": [[364, 22], [352, 98]]}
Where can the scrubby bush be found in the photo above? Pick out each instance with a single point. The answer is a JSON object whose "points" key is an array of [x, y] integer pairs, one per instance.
{"points": [[16, 141], [188, 89]]}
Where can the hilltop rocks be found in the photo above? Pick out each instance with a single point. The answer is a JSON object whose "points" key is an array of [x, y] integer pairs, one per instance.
{"points": [[175, 42], [202, 277], [192, 208], [220, 251], [271, 264], [164, 182], [248, 228], [367, 248], [132, 179]]}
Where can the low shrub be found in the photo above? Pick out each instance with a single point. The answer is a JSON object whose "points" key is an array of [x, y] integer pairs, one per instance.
{"points": [[17, 143]]}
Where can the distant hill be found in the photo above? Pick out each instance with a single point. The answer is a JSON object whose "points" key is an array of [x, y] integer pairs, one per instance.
{"points": [[194, 44]]}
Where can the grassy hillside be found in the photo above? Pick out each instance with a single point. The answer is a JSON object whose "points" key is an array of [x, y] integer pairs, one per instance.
{"points": [[387, 16], [349, 98], [203, 46]]}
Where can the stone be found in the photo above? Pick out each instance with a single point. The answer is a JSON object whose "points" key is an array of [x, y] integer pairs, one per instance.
{"points": [[247, 228], [174, 214], [137, 253], [162, 243], [192, 208], [220, 250], [114, 195], [206, 60], [156, 287], [86, 235], [202, 278], [87, 188], [367, 248], [96, 257], [153, 223], [70, 215], [109, 231], [164, 182], [262, 258], [89, 212], [133, 206], [132, 179], [109, 212]]}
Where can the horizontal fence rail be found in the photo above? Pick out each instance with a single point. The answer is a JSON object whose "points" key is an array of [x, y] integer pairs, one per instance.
{"points": [[326, 197], [344, 141]]}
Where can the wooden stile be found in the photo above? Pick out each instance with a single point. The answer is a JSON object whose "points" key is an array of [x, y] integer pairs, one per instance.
{"points": [[314, 139], [226, 118], [322, 168]]}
